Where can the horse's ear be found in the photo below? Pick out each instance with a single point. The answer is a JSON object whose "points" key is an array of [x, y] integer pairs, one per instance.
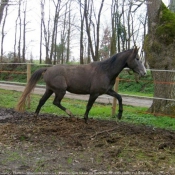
{"points": [[136, 49]]}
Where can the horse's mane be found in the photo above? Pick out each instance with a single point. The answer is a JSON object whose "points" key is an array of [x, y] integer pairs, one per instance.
{"points": [[108, 63]]}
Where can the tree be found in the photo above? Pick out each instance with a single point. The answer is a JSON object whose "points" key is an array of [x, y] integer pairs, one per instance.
{"points": [[172, 5], [41, 29], [160, 53], [3, 4], [68, 34], [82, 13], [105, 44], [114, 27], [24, 30], [58, 21], [3, 34], [124, 31], [93, 28], [46, 30], [54, 30], [143, 21], [17, 40], [129, 25], [60, 53], [20, 31]]}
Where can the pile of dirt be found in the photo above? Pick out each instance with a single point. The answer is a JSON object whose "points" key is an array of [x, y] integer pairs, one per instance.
{"points": [[62, 145]]}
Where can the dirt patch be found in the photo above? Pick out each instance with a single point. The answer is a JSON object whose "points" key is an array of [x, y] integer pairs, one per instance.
{"points": [[60, 145]]}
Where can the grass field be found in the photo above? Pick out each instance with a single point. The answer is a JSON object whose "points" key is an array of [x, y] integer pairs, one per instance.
{"points": [[137, 115]]}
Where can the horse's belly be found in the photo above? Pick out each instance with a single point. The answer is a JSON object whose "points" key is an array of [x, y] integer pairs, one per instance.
{"points": [[78, 89]]}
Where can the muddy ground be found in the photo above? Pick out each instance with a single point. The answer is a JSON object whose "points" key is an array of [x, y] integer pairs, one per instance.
{"points": [[59, 145]]}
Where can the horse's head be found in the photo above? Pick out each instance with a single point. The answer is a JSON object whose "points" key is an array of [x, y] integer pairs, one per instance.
{"points": [[135, 64]]}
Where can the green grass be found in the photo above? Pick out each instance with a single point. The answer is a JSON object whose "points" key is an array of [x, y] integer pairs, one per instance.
{"points": [[139, 94], [142, 87], [136, 115]]}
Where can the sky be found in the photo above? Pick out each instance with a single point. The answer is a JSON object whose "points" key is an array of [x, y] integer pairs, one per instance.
{"points": [[33, 29]]}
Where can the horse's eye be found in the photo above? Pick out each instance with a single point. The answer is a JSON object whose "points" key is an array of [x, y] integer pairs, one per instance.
{"points": [[137, 59]]}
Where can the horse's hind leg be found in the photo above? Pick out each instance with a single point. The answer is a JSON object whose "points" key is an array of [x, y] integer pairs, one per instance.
{"points": [[44, 98], [57, 101]]}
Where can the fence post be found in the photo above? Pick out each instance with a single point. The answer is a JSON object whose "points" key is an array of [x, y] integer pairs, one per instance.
{"points": [[28, 78], [114, 103]]}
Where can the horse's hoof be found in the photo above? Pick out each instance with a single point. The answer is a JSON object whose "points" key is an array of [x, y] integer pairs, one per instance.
{"points": [[85, 120], [69, 113], [36, 117], [119, 116], [73, 119]]}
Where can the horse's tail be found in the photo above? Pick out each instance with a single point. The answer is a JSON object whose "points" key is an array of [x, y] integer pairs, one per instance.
{"points": [[29, 87]]}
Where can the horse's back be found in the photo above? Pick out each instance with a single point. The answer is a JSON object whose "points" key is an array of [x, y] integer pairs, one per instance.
{"points": [[70, 71], [73, 78]]}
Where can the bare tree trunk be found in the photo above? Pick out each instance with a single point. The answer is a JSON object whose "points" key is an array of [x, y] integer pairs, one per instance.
{"points": [[163, 88], [81, 33], [46, 33], [24, 33], [117, 27], [41, 36], [124, 42], [88, 54], [63, 37], [114, 29], [144, 23], [62, 47], [3, 4], [152, 10], [68, 34], [87, 16], [57, 8], [15, 41], [98, 32], [89, 23], [46, 37], [3, 35], [47, 42], [55, 47], [41, 30], [129, 28], [160, 53], [19, 40]]}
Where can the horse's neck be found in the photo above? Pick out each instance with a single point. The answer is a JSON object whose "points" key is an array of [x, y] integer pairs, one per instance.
{"points": [[118, 65]]}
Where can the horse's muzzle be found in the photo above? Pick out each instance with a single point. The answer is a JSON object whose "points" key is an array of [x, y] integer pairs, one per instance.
{"points": [[142, 74]]}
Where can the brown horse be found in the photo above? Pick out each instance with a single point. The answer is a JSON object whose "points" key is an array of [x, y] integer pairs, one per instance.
{"points": [[96, 78]]}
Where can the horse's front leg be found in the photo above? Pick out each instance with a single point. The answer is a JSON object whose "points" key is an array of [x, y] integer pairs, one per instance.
{"points": [[91, 101], [119, 98]]}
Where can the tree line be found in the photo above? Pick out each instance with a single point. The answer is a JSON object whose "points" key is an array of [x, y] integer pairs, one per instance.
{"points": [[60, 21]]}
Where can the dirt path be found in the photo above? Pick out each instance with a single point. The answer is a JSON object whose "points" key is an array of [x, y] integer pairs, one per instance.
{"points": [[60, 145], [127, 100]]}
